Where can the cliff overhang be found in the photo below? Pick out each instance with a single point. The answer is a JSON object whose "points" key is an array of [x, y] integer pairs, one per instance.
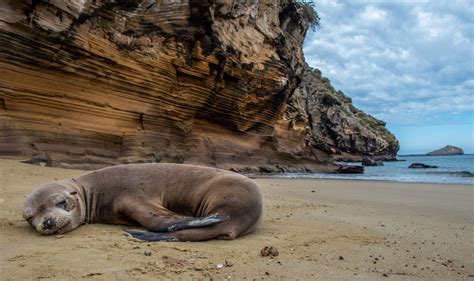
{"points": [[93, 83]]}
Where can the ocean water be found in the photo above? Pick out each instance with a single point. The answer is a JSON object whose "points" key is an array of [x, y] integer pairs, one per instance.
{"points": [[456, 169]]}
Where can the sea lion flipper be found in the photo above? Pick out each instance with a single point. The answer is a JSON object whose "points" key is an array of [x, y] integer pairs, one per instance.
{"points": [[156, 218], [150, 236], [166, 234], [150, 215], [197, 222]]}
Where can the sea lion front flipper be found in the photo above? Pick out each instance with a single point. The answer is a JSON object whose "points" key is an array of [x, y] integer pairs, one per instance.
{"points": [[156, 218], [150, 215]]}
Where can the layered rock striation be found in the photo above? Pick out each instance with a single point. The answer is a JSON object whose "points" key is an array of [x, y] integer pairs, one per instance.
{"points": [[90, 83]]}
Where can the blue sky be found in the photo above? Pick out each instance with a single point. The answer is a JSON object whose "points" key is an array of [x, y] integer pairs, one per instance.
{"points": [[409, 63]]}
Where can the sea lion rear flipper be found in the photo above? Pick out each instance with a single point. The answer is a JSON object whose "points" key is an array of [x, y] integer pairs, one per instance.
{"points": [[166, 234], [150, 236], [195, 223]]}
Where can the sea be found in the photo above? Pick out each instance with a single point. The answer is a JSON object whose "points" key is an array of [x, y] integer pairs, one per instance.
{"points": [[453, 169]]}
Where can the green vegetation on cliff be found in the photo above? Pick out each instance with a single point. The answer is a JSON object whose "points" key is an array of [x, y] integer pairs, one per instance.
{"points": [[309, 12], [349, 113], [337, 126]]}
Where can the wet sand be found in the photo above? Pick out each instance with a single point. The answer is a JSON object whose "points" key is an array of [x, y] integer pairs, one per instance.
{"points": [[323, 230]]}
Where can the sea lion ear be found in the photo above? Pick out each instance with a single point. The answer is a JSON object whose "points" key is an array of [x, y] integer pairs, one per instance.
{"points": [[73, 192]]}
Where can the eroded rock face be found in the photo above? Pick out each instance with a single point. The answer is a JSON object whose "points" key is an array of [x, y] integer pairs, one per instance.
{"points": [[327, 121], [108, 82], [90, 83]]}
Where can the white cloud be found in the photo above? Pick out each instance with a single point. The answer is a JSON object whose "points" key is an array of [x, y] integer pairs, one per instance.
{"points": [[373, 14], [334, 4], [402, 61], [434, 25]]}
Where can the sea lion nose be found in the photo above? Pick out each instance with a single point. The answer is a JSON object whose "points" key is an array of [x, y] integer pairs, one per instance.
{"points": [[48, 223]]}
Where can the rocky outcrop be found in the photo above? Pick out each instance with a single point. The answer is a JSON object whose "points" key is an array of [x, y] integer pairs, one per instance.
{"points": [[330, 123], [366, 161], [350, 169], [421, 166], [92, 83], [447, 150]]}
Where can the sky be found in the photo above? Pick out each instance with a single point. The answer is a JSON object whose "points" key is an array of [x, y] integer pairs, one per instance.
{"points": [[409, 63]]}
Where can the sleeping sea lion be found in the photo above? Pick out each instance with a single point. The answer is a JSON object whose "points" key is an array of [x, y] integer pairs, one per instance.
{"points": [[174, 202]]}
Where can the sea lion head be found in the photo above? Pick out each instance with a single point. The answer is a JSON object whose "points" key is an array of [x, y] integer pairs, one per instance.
{"points": [[54, 208]]}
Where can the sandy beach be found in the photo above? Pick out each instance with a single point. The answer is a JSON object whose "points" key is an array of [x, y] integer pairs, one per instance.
{"points": [[323, 230]]}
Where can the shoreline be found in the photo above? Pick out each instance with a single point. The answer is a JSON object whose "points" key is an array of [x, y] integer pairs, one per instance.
{"points": [[324, 229], [297, 175], [419, 155], [354, 179]]}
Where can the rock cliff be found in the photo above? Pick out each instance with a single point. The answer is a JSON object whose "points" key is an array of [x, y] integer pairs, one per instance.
{"points": [[447, 150], [90, 83], [332, 124]]}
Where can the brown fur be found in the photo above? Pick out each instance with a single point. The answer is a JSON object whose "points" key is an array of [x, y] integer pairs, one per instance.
{"points": [[153, 196]]}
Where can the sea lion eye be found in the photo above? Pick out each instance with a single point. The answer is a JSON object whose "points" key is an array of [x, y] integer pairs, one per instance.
{"points": [[61, 204]]}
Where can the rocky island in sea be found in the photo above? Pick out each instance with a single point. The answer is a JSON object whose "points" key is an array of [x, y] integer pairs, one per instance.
{"points": [[447, 150]]}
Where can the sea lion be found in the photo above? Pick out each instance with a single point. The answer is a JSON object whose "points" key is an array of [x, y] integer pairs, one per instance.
{"points": [[175, 202]]}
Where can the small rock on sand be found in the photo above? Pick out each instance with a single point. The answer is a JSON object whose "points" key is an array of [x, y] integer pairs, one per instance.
{"points": [[269, 251]]}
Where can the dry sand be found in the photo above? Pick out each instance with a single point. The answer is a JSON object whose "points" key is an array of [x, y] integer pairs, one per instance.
{"points": [[323, 230]]}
